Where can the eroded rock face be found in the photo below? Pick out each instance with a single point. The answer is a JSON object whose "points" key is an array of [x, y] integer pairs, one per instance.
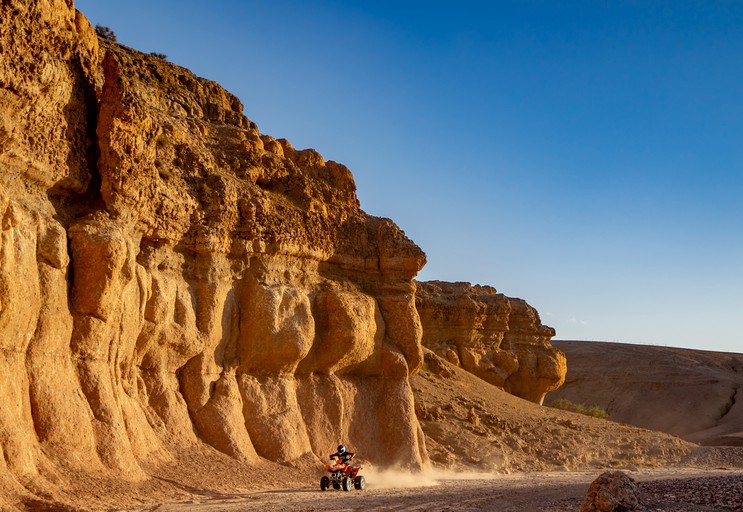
{"points": [[499, 339], [170, 276]]}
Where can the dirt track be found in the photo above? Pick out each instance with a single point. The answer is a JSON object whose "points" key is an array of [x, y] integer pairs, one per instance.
{"points": [[664, 490]]}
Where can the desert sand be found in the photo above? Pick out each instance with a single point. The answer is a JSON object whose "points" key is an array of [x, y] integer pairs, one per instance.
{"points": [[662, 490]]}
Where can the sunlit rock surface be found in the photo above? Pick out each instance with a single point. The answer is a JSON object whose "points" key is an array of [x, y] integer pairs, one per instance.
{"points": [[172, 279], [499, 339], [170, 276]]}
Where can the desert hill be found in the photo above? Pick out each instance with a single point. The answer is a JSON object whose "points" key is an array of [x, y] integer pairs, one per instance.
{"points": [[689, 393]]}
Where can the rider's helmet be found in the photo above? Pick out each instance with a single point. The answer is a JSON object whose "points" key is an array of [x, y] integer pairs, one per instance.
{"points": [[341, 449]]}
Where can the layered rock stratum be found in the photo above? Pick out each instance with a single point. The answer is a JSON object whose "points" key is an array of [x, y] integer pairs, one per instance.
{"points": [[498, 338]]}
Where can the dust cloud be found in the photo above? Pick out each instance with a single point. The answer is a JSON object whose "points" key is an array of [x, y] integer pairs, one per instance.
{"points": [[396, 479]]}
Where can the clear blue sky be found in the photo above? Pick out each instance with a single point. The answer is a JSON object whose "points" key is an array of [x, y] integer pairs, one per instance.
{"points": [[586, 156]]}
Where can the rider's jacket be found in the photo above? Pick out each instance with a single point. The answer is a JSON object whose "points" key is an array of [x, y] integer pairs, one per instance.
{"points": [[345, 457]]}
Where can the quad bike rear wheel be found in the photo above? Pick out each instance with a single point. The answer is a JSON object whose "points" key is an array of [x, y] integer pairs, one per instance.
{"points": [[324, 483], [359, 482], [347, 483]]}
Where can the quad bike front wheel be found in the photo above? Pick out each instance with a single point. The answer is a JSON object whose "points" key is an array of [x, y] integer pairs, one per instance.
{"points": [[324, 483], [359, 482], [347, 483]]}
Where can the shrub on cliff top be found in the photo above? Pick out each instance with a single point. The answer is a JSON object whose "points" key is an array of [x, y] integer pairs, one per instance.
{"points": [[592, 410], [105, 33]]}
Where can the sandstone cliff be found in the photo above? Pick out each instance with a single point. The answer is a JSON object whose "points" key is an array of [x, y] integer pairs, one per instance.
{"points": [[169, 276], [497, 338], [176, 286]]}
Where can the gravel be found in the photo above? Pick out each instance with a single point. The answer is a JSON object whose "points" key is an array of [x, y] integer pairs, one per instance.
{"points": [[693, 494]]}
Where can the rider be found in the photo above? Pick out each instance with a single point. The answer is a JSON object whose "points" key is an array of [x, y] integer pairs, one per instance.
{"points": [[344, 456]]}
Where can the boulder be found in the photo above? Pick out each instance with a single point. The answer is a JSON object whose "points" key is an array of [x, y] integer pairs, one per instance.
{"points": [[612, 491]]}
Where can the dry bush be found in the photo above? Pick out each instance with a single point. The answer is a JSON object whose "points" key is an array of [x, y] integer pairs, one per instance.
{"points": [[105, 33], [588, 410]]}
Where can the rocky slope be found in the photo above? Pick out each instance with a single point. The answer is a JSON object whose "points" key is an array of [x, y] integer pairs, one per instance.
{"points": [[472, 426], [689, 393], [499, 339]]}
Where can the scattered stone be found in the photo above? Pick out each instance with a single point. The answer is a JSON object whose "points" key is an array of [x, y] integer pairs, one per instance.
{"points": [[612, 491], [437, 366], [723, 492], [425, 413], [473, 417]]}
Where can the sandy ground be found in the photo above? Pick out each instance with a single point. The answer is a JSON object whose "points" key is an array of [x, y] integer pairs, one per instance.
{"points": [[663, 490], [525, 457]]}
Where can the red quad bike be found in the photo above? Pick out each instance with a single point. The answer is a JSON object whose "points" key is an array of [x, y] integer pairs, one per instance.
{"points": [[342, 476]]}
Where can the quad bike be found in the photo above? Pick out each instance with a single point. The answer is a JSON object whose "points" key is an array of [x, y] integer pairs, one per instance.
{"points": [[342, 476]]}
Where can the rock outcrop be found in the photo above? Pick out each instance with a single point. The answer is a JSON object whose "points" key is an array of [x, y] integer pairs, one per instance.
{"points": [[172, 279], [499, 339], [169, 276]]}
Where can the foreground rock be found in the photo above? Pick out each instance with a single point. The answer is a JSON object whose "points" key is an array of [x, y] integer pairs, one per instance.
{"points": [[499, 339], [612, 491]]}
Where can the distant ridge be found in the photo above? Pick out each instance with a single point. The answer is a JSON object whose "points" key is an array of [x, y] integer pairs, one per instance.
{"points": [[649, 344], [695, 394]]}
